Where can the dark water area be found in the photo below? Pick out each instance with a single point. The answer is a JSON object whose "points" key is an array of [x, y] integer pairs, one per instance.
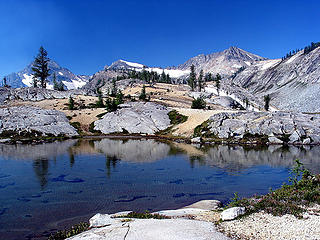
{"points": [[47, 187]]}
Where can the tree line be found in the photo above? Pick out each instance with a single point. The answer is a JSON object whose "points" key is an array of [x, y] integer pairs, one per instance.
{"points": [[197, 83], [144, 75]]}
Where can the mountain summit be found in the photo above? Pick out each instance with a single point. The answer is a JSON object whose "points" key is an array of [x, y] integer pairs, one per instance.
{"points": [[226, 62]]}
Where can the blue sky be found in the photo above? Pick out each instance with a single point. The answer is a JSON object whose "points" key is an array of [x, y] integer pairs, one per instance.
{"points": [[85, 35]]}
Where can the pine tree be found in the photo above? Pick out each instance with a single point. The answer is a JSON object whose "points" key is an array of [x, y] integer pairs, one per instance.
{"points": [[40, 68], [200, 80], [114, 89], [208, 77], [266, 102], [5, 84], [119, 97], [71, 103], [55, 84], [168, 79], [163, 77], [143, 94], [192, 78], [218, 78]]}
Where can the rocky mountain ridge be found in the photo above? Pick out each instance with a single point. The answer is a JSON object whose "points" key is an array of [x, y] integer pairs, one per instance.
{"points": [[293, 83], [226, 62]]}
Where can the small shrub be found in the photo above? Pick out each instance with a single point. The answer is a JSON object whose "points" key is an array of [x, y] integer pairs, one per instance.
{"points": [[101, 114], [76, 229], [91, 128], [198, 103], [77, 126], [176, 118], [145, 215]]}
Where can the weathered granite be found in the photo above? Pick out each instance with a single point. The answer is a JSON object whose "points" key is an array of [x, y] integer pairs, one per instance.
{"points": [[232, 213], [135, 117], [36, 121], [155, 229], [37, 94], [275, 127]]}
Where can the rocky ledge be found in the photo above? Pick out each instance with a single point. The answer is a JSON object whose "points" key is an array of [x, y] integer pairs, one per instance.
{"points": [[37, 94], [135, 117], [190, 222], [33, 122], [262, 127]]}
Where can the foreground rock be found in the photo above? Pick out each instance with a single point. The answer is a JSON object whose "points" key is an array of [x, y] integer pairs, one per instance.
{"points": [[31, 121], [135, 117], [145, 229], [180, 227], [232, 213], [266, 127]]}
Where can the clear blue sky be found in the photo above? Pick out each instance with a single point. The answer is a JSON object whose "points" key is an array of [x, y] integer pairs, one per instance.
{"points": [[85, 35]]}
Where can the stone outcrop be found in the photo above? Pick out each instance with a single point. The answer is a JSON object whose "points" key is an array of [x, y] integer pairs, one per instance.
{"points": [[274, 128], [37, 94], [232, 213], [135, 117], [181, 226], [34, 121]]}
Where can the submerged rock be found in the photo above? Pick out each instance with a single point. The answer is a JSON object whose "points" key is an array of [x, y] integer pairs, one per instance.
{"points": [[135, 117], [32, 121]]}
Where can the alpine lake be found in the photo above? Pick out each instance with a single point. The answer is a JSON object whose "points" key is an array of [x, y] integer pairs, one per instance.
{"points": [[51, 186]]}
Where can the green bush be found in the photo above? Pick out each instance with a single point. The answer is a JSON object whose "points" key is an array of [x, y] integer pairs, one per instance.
{"points": [[176, 118], [198, 103], [145, 215], [76, 229]]}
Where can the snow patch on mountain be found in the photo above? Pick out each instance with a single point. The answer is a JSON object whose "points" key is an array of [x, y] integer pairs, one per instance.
{"points": [[27, 80], [173, 73], [132, 64]]}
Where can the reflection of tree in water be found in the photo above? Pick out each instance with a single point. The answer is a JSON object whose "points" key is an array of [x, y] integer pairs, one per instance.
{"points": [[111, 161], [71, 158], [40, 167], [197, 159]]}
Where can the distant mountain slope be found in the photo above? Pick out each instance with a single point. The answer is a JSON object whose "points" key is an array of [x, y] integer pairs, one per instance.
{"points": [[293, 83], [23, 78], [125, 65], [226, 62]]}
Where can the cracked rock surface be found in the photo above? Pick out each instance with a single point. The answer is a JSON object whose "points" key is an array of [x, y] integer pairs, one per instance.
{"points": [[29, 119], [294, 128], [135, 117], [155, 229]]}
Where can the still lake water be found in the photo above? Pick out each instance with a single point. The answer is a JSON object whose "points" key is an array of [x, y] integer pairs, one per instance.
{"points": [[50, 186]]}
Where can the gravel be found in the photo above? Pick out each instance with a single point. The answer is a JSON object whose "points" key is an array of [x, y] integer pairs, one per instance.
{"points": [[266, 226]]}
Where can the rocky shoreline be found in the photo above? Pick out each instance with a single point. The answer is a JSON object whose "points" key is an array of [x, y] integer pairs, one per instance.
{"points": [[151, 120], [202, 220]]}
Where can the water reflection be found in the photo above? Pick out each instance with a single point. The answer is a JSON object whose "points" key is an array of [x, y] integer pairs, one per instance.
{"points": [[229, 158], [44, 185], [40, 167]]}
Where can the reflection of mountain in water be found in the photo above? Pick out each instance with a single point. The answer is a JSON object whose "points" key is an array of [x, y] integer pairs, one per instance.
{"points": [[234, 158], [39, 151], [230, 158], [138, 151]]}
